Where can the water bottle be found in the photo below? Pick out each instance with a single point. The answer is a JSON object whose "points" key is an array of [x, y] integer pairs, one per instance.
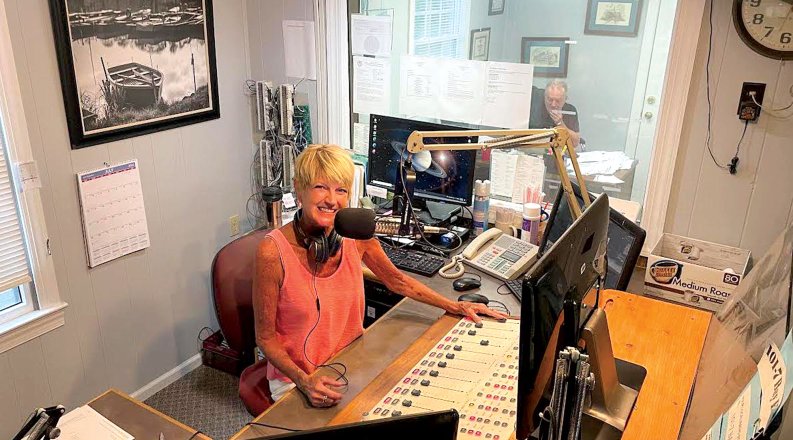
{"points": [[481, 205]]}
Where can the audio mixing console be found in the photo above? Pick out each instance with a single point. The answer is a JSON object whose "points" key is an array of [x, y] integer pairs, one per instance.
{"points": [[473, 369]]}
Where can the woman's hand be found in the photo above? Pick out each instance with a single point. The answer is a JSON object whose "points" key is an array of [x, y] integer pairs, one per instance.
{"points": [[473, 310], [318, 392]]}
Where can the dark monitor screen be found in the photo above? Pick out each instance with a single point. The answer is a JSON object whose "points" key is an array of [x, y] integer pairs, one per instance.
{"points": [[440, 425], [625, 238], [445, 176], [554, 290]]}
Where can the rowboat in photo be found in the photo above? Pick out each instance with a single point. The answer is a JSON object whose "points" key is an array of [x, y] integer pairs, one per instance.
{"points": [[141, 85]]}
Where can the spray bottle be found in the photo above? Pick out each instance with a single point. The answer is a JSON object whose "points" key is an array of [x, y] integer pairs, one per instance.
{"points": [[481, 205]]}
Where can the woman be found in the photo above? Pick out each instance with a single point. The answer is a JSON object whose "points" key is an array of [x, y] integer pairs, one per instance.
{"points": [[307, 310]]}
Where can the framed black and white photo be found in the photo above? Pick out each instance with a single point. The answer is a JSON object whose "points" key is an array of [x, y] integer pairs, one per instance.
{"points": [[131, 67], [614, 17], [548, 55], [480, 44], [495, 7]]}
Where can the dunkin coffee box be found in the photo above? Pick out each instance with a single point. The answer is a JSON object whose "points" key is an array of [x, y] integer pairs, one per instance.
{"points": [[694, 272]]}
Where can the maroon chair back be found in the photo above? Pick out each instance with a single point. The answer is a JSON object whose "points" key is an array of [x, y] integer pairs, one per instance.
{"points": [[232, 287]]}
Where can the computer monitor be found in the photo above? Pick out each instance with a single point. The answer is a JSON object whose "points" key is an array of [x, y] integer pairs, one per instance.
{"points": [[625, 239], [554, 290], [443, 176], [441, 425]]}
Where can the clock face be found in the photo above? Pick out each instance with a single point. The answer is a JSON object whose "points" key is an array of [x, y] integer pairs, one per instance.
{"points": [[766, 26]]}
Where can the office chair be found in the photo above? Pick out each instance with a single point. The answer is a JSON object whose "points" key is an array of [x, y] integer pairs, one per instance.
{"points": [[232, 287]]}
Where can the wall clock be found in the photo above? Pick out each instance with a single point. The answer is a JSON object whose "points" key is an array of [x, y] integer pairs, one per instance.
{"points": [[766, 26]]}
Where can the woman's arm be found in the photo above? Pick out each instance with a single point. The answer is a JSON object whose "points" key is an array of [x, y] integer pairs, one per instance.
{"points": [[397, 281], [267, 280]]}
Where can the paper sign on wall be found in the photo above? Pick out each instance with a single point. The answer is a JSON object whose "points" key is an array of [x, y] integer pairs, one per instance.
{"points": [[299, 49], [371, 35], [371, 86]]}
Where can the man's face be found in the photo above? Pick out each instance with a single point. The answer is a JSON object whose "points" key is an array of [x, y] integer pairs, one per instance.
{"points": [[554, 98]]}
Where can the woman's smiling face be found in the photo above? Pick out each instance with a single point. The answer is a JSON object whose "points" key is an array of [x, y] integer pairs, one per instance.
{"points": [[321, 201]]}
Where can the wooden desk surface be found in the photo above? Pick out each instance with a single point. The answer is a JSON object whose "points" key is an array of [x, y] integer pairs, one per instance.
{"points": [[140, 420], [667, 339]]}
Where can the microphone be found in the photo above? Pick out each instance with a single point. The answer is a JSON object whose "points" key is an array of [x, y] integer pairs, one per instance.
{"points": [[360, 224]]}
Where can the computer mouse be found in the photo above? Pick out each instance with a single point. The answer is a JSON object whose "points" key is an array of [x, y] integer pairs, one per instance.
{"points": [[466, 283], [473, 297]]}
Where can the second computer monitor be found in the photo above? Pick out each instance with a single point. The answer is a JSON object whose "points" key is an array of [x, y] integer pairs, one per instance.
{"points": [[444, 176]]}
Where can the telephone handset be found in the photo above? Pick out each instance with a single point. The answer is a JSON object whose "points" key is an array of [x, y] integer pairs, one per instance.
{"points": [[500, 255], [490, 234]]}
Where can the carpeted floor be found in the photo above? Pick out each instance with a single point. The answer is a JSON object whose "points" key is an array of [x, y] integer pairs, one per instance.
{"points": [[205, 399]]}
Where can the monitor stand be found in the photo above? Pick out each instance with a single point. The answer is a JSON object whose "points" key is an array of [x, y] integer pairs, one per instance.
{"points": [[617, 383], [615, 389]]}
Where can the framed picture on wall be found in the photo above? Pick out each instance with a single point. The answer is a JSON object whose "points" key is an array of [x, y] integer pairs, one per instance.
{"points": [[138, 68], [495, 7], [480, 44], [548, 55], [617, 18]]}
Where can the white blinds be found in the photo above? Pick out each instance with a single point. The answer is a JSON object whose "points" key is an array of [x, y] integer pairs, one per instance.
{"points": [[438, 29], [14, 267]]}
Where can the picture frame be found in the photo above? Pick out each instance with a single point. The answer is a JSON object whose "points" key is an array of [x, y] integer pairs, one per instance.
{"points": [[479, 49], [495, 7], [549, 55], [130, 71], [618, 18]]}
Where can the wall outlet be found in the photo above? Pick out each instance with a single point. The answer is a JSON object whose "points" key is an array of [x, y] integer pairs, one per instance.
{"points": [[751, 96], [234, 225]]}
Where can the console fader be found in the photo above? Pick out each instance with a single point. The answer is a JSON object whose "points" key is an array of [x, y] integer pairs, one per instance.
{"points": [[473, 369]]}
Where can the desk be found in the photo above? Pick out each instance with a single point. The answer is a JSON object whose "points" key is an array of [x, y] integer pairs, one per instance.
{"points": [[368, 356], [140, 420], [665, 338]]}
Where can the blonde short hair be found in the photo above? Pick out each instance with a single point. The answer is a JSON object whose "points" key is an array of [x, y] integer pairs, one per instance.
{"points": [[323, 161]]}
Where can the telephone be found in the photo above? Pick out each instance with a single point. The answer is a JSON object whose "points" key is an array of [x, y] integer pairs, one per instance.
{"points": [[495, 253], [501, 255]]}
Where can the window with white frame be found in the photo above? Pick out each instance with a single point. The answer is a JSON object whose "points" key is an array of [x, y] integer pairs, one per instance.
{"points": [[29, 301], [439, 28]]}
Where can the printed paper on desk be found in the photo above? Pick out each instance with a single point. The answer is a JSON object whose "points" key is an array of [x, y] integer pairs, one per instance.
{"points": [[114, 218], [508, 94], [740, 422], [299, 49], [372, 87], [502, 173], [371, 35], [360, 138], [85, 423]]}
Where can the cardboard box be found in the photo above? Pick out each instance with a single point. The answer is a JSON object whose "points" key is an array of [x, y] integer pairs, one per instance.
{"points": [[694, 272]]}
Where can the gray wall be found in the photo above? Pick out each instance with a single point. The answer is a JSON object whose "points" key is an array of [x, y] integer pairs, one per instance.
{"points": [[131, 320], [752, 207]]}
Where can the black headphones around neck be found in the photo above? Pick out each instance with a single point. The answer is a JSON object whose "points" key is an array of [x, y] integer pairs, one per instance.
{"points": [[323, 247]]}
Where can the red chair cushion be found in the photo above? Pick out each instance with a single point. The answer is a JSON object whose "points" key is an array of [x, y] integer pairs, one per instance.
{"points": [[255, 388]]}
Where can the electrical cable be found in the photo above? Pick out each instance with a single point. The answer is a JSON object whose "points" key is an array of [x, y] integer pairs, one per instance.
{"points": [[707, 87], [733, 166], [772, 112], [506, 309], [195, 434]]}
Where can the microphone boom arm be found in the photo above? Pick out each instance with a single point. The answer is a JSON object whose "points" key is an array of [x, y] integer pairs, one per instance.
{"points": [[557, 139]]}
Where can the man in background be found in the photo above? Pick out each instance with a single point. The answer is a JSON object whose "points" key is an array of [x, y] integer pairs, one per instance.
{"points": [[551, 109]]}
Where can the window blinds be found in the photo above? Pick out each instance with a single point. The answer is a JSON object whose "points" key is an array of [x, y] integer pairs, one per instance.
{"points": [[14, 266], [438, 28]]}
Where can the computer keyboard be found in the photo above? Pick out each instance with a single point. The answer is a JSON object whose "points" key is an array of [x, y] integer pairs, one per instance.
{"points": [[516, 287], [414, 261]]}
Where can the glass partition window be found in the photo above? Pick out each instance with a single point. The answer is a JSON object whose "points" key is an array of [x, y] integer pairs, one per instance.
{"points": [[595, 67]]}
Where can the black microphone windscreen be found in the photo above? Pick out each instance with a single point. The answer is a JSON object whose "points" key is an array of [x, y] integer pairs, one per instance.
{"points": [[355, 223]]}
